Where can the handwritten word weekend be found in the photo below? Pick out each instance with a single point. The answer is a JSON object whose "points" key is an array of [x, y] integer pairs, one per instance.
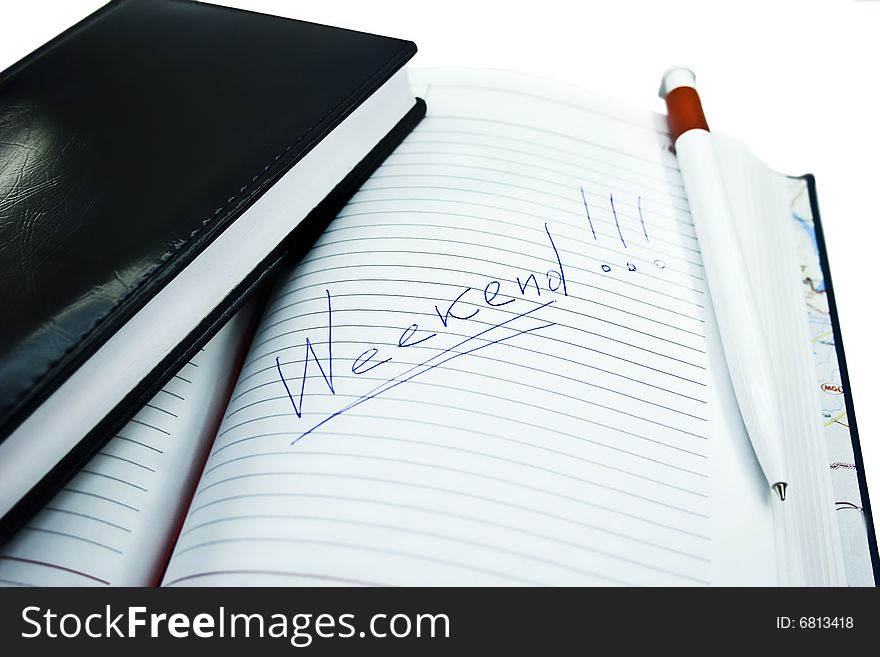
{"points": [[469, 303], [463, 308]]}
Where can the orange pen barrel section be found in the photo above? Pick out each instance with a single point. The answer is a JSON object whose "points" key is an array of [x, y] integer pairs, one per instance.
{"points": [[684, 111]]}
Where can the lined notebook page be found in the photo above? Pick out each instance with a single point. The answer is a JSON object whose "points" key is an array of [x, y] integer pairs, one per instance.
{"points": [[497, 366], [114, 522]]}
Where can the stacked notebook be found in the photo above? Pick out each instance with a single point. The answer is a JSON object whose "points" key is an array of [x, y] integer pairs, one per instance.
{"points": [[157, 161], [498, 365]]}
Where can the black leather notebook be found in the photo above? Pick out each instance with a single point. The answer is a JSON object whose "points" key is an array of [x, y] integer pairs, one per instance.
{"points": [[156, 161]]}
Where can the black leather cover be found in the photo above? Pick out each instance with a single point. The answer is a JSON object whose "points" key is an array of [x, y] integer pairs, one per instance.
{"points": [[129, 142]]}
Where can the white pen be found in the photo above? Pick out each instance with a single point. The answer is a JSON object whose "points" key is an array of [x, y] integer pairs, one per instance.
{"points": [[742, 337]]}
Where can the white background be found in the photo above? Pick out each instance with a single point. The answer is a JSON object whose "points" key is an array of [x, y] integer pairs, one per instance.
{"points": [[798, 80]]}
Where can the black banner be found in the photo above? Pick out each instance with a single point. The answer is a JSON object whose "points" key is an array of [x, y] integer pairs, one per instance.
{"points": [[433, 621]]}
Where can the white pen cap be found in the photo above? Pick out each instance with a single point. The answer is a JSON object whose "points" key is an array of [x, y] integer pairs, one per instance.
{"points": [[677, 76]]}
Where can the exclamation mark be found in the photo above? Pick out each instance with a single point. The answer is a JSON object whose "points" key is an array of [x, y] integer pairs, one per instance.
{"points": [[616, 222], [587, 208], [642, 219]]}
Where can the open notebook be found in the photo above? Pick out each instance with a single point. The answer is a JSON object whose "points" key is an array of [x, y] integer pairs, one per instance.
{"points": [[499, 365]]}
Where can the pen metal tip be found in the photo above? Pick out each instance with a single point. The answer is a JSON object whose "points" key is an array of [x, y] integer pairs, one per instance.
{"points": [[780, 487]]}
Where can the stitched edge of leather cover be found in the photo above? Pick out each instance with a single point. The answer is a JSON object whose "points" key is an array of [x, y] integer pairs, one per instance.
{"points": [[296, 245]]}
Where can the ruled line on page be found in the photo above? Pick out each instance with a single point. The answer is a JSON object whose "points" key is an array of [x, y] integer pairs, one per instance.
{"points": [[568, 311], [87, 516], [568, 453], [477, 544], [399, 161], [120, 480], [477, 520], [74, 537], [589, 145], [490, 456], [580, 106], [597, 206], [133, 462], [506, 148], [150, 426], [78, 491], [360, 501], [445, 241], [580, 501], [501, 437], [620, 359], [579, 318], [510, 577], [160, 409], [50, 566], [572, 327], [245, 391], [674, 198], [493, 359], [399, 166], [274, 575], [586, 320], [482, 375], [690, 449], [595, 233], [478, 394], [628, 452], [315, 271], [583, 206], [608, 296], [446, 256], [502, 503], [139, 443]]}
